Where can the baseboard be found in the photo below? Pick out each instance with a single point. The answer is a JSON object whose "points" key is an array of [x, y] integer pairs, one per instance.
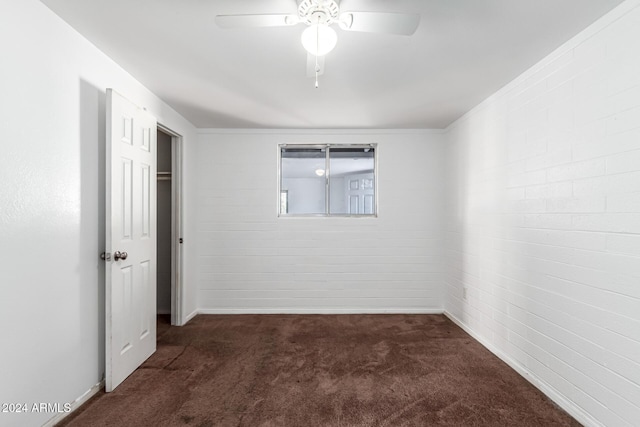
{"points": [[575, 411], [75, 404], [319, 311], [193, 314]]}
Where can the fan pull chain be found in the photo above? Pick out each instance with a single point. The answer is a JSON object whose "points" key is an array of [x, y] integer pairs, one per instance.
{"points": [[317, 49]]}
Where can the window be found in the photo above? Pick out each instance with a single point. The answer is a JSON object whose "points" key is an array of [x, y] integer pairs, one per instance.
{"points": [[327, 180]]}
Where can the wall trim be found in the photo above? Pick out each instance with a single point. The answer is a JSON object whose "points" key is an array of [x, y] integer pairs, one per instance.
{"points": [[190, 316], [596, 27], [320, 311], [234, 131], [575, 411], [75, 404]]}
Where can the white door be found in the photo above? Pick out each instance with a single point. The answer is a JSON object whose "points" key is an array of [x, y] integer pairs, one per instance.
{"points": [[130, 238], [360, 194]]}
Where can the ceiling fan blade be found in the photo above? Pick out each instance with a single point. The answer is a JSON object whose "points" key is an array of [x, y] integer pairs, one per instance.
{"points": [[253, 21], [311, 65], [378, 22]]}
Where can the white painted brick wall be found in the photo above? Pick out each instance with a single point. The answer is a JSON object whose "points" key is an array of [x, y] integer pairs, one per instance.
{"points": [[543, 222], [249, 260]]}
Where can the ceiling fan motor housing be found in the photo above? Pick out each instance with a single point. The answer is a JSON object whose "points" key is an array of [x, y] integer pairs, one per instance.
{"points": [[318, 11]]}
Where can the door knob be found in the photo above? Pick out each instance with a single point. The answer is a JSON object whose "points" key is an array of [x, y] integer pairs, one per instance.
{"points": [[117, 255]]}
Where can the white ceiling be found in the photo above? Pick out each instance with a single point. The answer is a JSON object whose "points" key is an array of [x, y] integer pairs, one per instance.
{"points": [[462, 52]]}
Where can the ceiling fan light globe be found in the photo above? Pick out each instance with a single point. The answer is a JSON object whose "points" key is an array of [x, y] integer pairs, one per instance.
{"points": [[319, 39]]}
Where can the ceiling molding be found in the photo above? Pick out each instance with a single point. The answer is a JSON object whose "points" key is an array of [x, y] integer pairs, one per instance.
{"points": [[234, 131]]}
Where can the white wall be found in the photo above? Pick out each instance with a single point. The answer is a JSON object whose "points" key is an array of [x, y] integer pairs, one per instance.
{"points": [[52, 109], [305, 194], [543, 224], [249, 260]]}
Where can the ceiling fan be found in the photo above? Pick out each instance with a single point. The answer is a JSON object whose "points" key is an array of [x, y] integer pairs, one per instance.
{"points": [[319, 15]]}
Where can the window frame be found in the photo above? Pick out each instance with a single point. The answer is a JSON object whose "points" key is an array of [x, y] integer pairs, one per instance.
{"points": [[327, 176]]}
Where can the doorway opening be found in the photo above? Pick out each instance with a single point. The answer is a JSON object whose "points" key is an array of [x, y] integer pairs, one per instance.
{"points": [[169, 230]]}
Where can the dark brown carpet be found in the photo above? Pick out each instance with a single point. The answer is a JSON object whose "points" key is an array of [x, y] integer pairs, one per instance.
{"points": [[316, 370]]}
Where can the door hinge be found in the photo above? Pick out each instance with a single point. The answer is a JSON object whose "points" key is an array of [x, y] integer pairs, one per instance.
{"points": [[106, 256]]}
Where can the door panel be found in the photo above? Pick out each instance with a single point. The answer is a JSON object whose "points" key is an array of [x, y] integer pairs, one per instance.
{"points": [[127, 205], [146, 320], [131, 230], [354, 202], [368, 204], [146, 202]]}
